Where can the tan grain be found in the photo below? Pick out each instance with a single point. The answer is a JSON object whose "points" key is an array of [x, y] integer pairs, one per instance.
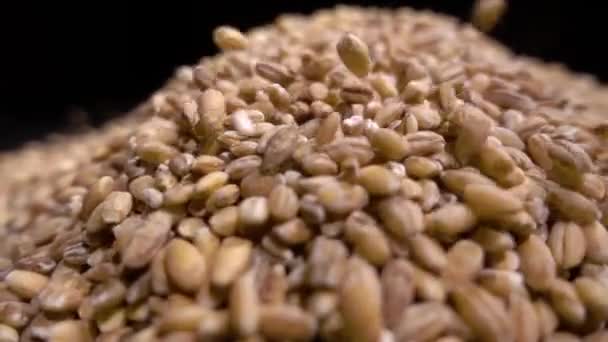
{"points": [[354, 54]]}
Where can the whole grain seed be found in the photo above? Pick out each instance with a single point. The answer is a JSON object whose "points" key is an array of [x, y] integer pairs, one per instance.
{"points": [[8, 334], [147, 240], [231, 259], [256, 184], [410, 189], [139, 184], [311, 211], [417, 90], [153, 198], [279, 148], [124, 231], [318, 90], [26, 284], [224, 222], [484, 313], [354, 53], [293, 232], [287, 322], [182, 318], [346, 148], [423, 143], [178, 195], [502, 283], [164, 179], [244, 305], [566, 302], [547, 318], [104, 298], [241, 167], [321, 109], [155, 152], [431, 195], [401, 217], [205, 164], [317, 164], [389, 113], [526, 323], [95, 222], [427, 252], [341, 198], [428, 287], [422, 167], [497, 163], [361, 288], [15, 314], [573, 205], [596, 240], [378, 180], [423, 322], [207, 244], [322, 303], [397, 280], [326, 262], [369, 241], [70, 330], [272, 289], [328, 128], [185, 265], [283, 203], [508, 260], [593, 186], [214, 325], [277, 249], [110, 323], [457, 180], [253, 212], [229, 38], [96, 195], [487, 13], [492, 240], [519, 223], [464, 260], [64, 292], [356, 94], [594, 295], [242, 123], [389, 144], [427, 117], [332, 229], [567, 243], [537, 263], [275, 73], [450, 220], [489, 201], [181, 164], [222, 197]]}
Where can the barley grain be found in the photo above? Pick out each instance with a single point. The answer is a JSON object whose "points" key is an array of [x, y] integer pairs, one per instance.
{"points": [[229, 38], [354, 54]]}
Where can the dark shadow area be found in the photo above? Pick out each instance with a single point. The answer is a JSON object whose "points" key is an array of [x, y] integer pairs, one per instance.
{"points": [[103, 59]]}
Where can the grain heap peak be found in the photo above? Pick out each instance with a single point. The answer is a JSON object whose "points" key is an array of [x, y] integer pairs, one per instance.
{"points": [[357, 175]]}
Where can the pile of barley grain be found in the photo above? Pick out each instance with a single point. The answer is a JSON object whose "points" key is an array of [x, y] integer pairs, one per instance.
{"points": [[358, 175]]}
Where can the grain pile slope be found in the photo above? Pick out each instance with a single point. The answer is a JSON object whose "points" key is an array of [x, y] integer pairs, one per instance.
{"points": [[358, 175]]}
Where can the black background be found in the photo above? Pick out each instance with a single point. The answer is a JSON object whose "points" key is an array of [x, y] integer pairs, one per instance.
{"points": [[87, 62]]}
